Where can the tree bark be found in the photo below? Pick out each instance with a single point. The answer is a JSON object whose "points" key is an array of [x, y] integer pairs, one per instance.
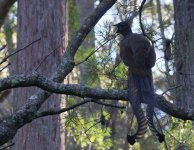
{"points": [[184, 52], [46, 20]]}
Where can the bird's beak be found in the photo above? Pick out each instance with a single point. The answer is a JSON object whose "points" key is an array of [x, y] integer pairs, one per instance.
{"points": [[115, 28]]}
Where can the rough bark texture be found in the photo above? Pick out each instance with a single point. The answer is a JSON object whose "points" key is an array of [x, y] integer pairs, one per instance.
{"points": [[46, 20], [184, 51]]}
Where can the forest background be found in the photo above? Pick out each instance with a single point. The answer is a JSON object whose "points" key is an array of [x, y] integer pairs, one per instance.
{"points": [[63, 84]]}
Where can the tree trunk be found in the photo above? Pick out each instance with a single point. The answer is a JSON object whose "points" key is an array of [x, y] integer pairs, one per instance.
{"points": [[184, 52], [46, 20]]}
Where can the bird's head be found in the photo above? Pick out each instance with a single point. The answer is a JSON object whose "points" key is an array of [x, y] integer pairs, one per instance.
{"points": [[123, 27]]}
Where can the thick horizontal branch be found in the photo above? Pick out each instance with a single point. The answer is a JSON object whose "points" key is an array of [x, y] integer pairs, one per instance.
{"points": [[173, 110], [82, 91], [54, 87]]}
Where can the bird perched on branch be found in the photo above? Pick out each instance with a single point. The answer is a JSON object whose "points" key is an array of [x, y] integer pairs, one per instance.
{"points": [[139, 56]]}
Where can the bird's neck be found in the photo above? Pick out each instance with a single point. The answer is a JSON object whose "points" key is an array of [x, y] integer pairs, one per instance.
{"points": [[126, 32]]}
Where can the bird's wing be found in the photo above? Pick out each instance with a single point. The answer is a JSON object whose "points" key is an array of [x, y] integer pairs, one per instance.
{"points": [[150, 61], [141, 49], [126, 53]]}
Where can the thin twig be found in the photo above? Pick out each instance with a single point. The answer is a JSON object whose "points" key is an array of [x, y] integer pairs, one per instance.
{"points": [[46, 58], [92, 126], [109, 105], [3, 47], [159, 39], [172, 136], [96, 50], [186, 74], [7, 146], [56, 112], [95, 120], [88, 137], [5, 67], [171, 88], [141, 25], [17, 51]]}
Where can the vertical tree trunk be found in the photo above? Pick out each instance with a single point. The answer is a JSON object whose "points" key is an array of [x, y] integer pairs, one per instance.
{"points": [[184, 52], [46, 20]]}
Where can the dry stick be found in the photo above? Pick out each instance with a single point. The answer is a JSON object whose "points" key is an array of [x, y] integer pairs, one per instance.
{"points": [[186, 74], [46, 58], [95, 50], [95, 120], [109, 105], [3, 47], [56, 112], [171, 88], [86, 130], [88, 137], [164, 38], [172, 136], [7, 146], [159, 39], [17, 51], [92, 126], [5, 67], [52, 112], [141, 25]]}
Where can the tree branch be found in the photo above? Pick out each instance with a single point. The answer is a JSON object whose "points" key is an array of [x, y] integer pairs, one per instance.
{"points": [[56, 112], [141, 25], [109, 105], [54, 87], [10, 125], [82, 91], [18, 50]]}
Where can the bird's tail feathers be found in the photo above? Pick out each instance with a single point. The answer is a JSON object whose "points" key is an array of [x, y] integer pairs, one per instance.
{"points": [[145, 88], [142, 125], [158, 133]]}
